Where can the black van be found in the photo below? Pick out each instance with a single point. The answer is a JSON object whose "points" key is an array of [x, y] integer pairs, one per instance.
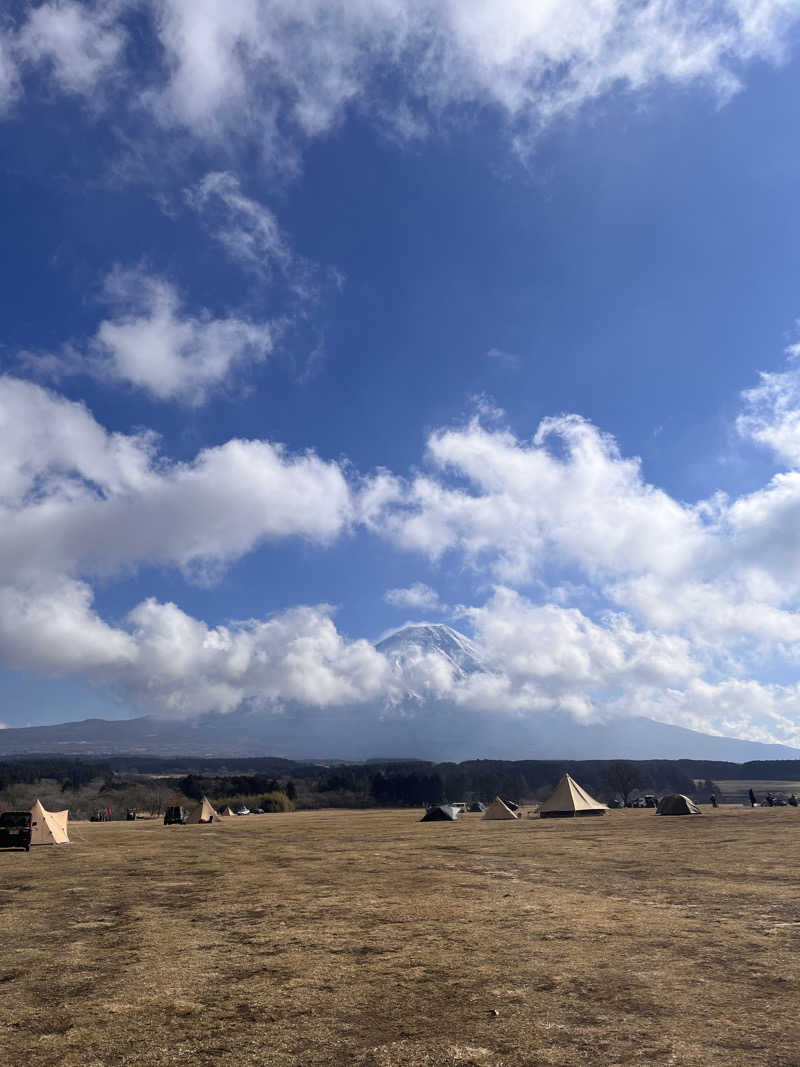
{"points": [[175, 816], [15, 830]]}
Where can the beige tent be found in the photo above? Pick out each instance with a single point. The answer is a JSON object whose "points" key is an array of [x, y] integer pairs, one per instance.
{"points": [[227, 811], [204, 812], [498, 809], [569, 799], [48, 827]]}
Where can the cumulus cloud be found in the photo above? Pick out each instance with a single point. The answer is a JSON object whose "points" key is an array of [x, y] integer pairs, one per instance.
{"points": [[720, 573], [50, 627], [75, 499], [771, 415], [691, 604], [526, 502], [152, 343], [734, 707], [532, 658], [418, 597], [185, 667]]}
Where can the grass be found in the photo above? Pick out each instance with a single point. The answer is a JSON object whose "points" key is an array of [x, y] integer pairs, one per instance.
{"points": [[368, 938]]}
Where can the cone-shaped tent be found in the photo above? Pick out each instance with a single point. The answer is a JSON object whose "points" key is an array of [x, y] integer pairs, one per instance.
{"points": [[202, 813], [227, 811], [568, 798], [677, 804], [498, 809], [441, 813], [48, 827]]}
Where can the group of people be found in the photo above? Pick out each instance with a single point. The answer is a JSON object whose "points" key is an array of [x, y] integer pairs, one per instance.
{"points": [[770, 800]]}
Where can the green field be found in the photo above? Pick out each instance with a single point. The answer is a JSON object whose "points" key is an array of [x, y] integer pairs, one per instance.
{"points": [[372, 939]]}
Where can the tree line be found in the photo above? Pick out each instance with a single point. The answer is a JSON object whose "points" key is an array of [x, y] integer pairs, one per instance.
{"points": [[394, 783]]}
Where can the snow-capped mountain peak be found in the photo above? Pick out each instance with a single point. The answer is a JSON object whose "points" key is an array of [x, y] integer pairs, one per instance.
{"points": [[437, 638]]}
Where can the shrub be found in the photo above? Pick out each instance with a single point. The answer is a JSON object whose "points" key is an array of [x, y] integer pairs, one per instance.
{"points": [[277, 801]]}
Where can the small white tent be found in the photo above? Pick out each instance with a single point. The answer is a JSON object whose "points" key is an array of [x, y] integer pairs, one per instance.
{"points": [[568, 798], [227, 811], [204, 812], [498, 809], [48, 827]]}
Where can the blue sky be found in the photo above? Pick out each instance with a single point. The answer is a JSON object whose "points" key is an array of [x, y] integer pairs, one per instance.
{"points": [[288, 293]]}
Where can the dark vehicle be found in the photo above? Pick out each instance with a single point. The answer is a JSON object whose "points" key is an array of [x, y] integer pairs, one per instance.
{"points": [[15, 830], [175, 816]]}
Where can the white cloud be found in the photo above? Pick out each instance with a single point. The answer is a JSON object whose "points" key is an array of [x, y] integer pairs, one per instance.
{"points": [[9, 76], [501, 356], [50, 627], [150, 342], [734, 707], [720, 573], [546, 656], [246, 229], [418, 597], [76, 499], [81, 43], [184, 667], [263, 62], [539, 657], [705, 596], [526, 503], [281, 72], [772, 411]]}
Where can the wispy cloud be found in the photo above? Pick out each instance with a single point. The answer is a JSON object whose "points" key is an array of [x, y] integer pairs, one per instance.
{"points": [[501, 356], [246, 229], [274, 73]]}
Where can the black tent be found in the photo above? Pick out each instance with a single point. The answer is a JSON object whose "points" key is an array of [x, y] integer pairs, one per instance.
{"points": [[677, 804], [440, 813], [477, 806]]}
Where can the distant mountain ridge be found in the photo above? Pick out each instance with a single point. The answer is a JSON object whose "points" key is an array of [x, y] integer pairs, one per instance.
{"points": [[422, 729]]}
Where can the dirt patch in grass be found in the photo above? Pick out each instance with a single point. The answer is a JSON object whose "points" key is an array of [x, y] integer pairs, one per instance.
{"points": [[374, 940]]}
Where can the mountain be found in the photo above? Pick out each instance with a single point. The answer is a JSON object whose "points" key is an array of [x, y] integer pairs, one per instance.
{"points": [[435, 638], [418, 727]]}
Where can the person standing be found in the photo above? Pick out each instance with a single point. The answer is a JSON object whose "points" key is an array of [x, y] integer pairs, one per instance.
{"points": [[752, 798]]}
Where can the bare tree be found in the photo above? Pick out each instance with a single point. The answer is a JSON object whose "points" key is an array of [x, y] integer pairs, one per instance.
{"points": [[625, 779]]}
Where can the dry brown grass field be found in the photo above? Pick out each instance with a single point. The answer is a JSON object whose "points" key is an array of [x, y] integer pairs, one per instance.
{"points": [[375, 940]]}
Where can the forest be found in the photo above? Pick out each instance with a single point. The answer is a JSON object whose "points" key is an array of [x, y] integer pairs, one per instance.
{"points": [[149, 784]]}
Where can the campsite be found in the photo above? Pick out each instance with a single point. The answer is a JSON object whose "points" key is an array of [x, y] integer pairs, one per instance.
{"points": [[369, 938]]}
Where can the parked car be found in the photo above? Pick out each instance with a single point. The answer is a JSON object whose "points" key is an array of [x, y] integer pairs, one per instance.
{"points": [[243, 811], [175, 815], [15, 830]]}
